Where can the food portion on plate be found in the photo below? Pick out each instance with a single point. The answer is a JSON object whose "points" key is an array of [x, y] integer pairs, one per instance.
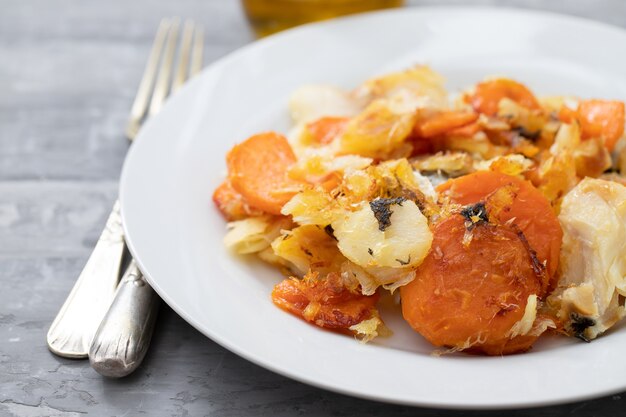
{"points": [[492, 215]]}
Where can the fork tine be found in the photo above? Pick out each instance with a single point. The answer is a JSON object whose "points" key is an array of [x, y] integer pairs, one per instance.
{"points": [[183, 59], [162, 83], [196, 54], [143, 93]]}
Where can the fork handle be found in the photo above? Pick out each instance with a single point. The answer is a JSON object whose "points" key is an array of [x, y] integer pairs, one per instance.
{"points": [[123, 337], [72, 330]]}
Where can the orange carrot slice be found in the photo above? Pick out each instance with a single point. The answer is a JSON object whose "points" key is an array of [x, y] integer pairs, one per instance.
{"points": [[257, 169], [529, 210], [324, 302], [443, 122], [567, 115], [489, 93], [466, 131], [326, 129], [469, 296], [602, 119], [231, 204]]}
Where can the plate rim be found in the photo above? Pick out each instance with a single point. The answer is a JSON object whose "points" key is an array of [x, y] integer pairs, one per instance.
{"points": [[249, 355]]}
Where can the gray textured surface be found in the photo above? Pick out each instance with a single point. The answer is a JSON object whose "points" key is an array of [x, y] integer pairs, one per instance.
{"points": [[68, 73]]}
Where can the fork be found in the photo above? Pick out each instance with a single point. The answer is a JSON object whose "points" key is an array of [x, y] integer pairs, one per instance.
{"points": [[117, 340]]}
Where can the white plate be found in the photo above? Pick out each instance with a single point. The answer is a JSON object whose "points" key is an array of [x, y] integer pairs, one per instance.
{"points": [[178, 159]]}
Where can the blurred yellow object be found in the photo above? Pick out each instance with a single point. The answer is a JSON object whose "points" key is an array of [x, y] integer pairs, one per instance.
{"points": [[270, 16]]}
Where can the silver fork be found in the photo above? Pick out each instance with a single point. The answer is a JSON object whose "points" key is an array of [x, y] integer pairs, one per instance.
{"points": [[116, 340]]}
